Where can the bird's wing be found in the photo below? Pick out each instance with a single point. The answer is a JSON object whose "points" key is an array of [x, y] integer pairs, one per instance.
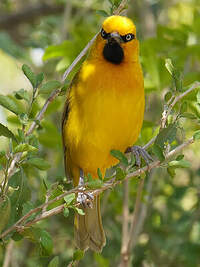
{"points": [[65, 116]]}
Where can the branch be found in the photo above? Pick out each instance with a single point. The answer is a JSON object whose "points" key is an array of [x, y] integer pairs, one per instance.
{"points": [[125, 222], [176, 99], [110, 184], [8, 254], [29, 14], [121, 7]]}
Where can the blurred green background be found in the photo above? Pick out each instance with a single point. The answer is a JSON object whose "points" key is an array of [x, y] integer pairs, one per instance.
{"points": [[47, 35]]}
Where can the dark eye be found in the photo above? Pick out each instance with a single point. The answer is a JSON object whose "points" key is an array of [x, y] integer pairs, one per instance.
{"points": [[128, 37], [104, 34]]}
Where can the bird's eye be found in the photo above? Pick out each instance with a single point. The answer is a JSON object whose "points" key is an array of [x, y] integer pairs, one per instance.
{"points": [[104, 34], [129, 37]]}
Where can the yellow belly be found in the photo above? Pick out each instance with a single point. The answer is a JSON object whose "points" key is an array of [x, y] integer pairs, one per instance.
{"points": [[106, 112]]}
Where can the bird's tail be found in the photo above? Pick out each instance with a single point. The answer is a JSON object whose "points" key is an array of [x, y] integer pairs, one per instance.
{"points": [[88, 228]]}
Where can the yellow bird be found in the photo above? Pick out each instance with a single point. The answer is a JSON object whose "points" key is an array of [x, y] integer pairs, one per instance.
{"points": [[104, 110]]}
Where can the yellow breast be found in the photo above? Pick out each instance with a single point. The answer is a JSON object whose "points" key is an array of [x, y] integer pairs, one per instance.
{"points": [[106, 112]]}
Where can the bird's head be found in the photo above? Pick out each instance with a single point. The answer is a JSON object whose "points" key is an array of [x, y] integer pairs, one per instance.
{"points": [[116, 43]]}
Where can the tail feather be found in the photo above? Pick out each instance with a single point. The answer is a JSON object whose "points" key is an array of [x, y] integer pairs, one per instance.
{"points": [[88, 228]]}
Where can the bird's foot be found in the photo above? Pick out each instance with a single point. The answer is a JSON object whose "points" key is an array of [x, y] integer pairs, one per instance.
{"points": [[85, 199], [139, 153]]}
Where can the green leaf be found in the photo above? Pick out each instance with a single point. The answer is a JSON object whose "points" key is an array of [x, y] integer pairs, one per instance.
{"points": [[120, 156], [179, 157], [2, 154], [22, 94], [183, 107], [54, 262], [4, 131], [166, 135], [27, 206], [24, 147], [46, 243], [95, 183], [39, 78], [168, 96], [157, 150], [169, 66], [198, 96], [179, 164], [66, 212], [189, 116], [196, 135], [102, 13], [120, 174], [9, 104], [99, 174], [171, 171], [69, 198], [78, 255], [16, 236], [5, 209], [176, 74], [23, 118], [49, 86], [39, 163], [30, 75], [80, 211]]}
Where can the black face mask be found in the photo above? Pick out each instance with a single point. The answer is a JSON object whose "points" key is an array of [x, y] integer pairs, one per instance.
{"points": [[113, 52]]}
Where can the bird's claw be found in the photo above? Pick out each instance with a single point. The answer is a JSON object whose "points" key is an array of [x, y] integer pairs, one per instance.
{"points": [[85, 199], [139, 153]]}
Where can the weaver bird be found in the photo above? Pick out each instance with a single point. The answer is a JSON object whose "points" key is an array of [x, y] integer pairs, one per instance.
{"points": [[104, 110]]}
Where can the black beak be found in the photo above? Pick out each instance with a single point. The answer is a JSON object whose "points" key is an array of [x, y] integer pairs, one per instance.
{"points": [[114, 37]]}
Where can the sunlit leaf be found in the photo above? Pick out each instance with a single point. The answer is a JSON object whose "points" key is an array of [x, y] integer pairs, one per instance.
{"points": [[30, 75], [69, 198], [78, 255], [9, 104], [49, 86], [39, 163], [4, 131], [54, 262]]}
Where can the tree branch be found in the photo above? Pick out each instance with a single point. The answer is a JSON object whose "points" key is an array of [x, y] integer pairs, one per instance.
{"points": [[125, 221], [29, 14], [8, 254], [110, 184], [176, 99]]}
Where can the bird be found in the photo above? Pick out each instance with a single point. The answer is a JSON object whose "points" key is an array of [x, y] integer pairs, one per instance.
{"points": [[104, 111]]}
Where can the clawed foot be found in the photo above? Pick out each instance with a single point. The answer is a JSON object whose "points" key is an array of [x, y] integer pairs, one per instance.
{"points": [[139, 153], [85, 199]]}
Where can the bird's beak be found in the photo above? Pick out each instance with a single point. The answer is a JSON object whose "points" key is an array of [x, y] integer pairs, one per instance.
{"points": [[115, 37]]}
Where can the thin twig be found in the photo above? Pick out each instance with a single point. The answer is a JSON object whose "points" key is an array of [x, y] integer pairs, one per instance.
{"points": [[125, 222], [79, 57], [8, 254], [143, 210], [176, 99], [120, 8]]}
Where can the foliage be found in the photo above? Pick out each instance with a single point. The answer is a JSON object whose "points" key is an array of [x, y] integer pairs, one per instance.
{"points": [[171, 60]]}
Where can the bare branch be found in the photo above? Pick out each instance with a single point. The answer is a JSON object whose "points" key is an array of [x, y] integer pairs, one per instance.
{"points": [[29, 14], [8, 254], [121, 7], [176, 99], [125, 221], [78, 58]]}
